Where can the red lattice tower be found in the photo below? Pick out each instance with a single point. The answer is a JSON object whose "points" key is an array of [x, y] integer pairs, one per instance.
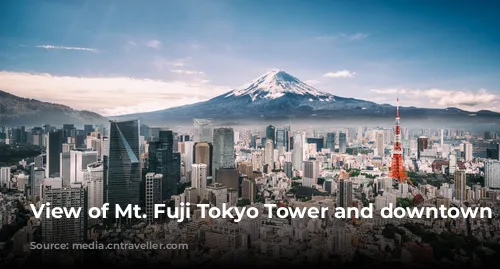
{"points": [[397, 167]]}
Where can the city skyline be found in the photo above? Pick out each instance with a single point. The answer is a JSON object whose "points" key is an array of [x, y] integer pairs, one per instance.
{"points": [[115, 59]]}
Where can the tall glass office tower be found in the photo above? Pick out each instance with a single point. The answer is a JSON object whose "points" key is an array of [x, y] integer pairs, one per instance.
{"points": [[124, 171]]}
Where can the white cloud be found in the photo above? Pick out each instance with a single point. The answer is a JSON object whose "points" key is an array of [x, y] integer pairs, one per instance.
{"points": [[187, 72], [340, 74], [155, 44], [440, 98], [65, 48], [108, 95], [357, 36]]}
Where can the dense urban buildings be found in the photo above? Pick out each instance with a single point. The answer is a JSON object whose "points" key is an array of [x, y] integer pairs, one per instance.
{"points": [[249, 166]]}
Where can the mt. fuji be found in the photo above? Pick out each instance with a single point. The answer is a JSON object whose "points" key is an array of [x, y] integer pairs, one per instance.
{"points": [[277, 95], [276, 84]]}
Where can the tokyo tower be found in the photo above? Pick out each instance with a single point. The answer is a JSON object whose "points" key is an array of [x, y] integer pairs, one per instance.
{"points": [[397, 167]]}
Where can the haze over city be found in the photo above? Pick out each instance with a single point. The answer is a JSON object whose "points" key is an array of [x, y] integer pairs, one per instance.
{"points": [[115, 57]]}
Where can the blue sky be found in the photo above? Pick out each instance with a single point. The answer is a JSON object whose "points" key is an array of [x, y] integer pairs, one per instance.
{"points": [[117, 57]]}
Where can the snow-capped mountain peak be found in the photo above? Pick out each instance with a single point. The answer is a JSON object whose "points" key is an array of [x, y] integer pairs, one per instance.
{"points": [[275, 84]]}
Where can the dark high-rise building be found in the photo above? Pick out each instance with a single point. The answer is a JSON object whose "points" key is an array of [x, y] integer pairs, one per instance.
{"points": [[271, 132], [492, 154], [69, 130], [422, 143], [342, 142], [282, 138], [498, 151], [54, 149], [88, 128], [330, 141], [162, 161], [253, 142], [124, 171], [288, 169], [345, 193]]}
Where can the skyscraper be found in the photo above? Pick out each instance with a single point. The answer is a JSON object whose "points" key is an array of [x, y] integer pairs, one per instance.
{"points": [[4, 176], [199, 176], [223, 153], [460, 179], [468, 152], [63, 230], [422, 143], [188, 157], [162, 161], [79, 159], [342, 142], [204, 129], [203, 153], [379, 142], [282, 138], [271, 133], [153, 194], [345, 193], [269, 154], [311, 173], [492, 174], [124, 173], [330, 141], [54, 148]]}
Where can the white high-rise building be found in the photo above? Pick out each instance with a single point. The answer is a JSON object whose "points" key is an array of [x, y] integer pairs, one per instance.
{"points": [[299, 151], [79, 159], [442, 138], [452, 164], [269, 154], [468, 152], [188, 157], [311, 173], [379, 143], [4, 176], [104, 147], [492, 174], [94, 183], [257, 160], [199, 176]]}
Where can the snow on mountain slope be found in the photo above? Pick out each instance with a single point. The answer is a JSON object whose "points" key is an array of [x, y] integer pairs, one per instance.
{"points": [[276, 84]]}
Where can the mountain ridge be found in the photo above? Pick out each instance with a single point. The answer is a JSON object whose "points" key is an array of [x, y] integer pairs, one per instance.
{"points": [[16, 110]]}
